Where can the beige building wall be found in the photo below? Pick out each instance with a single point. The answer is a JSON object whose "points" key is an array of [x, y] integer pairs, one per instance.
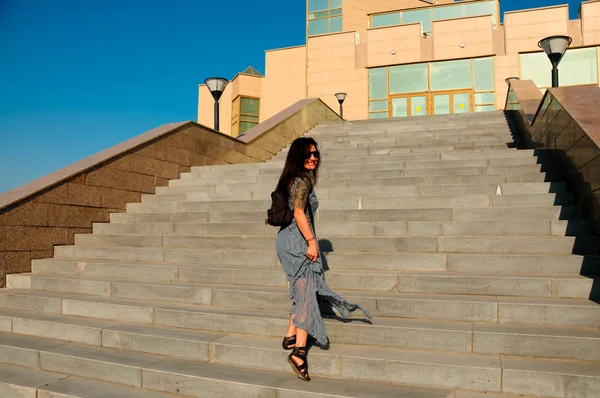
{"points": [[247, 86], [505, 66], [524, 29], [285, 80], [475, 32], [332, 70], [394, 45], [590, 22], [206, 108]]}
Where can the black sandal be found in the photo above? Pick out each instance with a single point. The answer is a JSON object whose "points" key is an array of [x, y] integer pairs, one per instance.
{"points": [[302, 369], [289, 343]]}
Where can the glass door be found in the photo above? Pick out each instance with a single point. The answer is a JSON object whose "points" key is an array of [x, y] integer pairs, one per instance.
{"points": [[409, 105], [452, 102]]}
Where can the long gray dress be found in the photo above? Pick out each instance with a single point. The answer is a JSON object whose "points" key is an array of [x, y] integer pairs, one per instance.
{"points": [[307, 280]]}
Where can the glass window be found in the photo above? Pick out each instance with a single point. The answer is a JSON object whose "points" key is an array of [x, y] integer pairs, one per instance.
{"points": [[335, 3], [485, 108], [451, 75], [485, 98], [462, 103], [378, 83], [333, 13], [385, 20], [378, 106], [423, 16], [536, 67], [441, 104], [318, 15], [483, 71], [318, 5], [408, 78], [449, 12], [578, 66], [245, 126], [318, 27], [480, 8], [335, 24], [400, 107], [379, 115], [249, 106]]}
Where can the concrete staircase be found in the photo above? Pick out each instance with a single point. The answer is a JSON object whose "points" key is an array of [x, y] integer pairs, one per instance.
{"points": [[472, 256]]}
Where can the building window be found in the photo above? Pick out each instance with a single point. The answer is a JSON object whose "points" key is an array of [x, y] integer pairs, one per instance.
{"points": [[459, 86], [244, 114], [324, 16], [578, 67], [439, 13]]}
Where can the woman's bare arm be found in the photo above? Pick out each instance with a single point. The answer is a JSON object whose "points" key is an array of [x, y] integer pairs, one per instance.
{"points": [[300, 200]]}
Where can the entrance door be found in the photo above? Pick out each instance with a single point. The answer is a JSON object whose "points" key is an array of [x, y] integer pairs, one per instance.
{"points": [[452, 102], [409, 105]]}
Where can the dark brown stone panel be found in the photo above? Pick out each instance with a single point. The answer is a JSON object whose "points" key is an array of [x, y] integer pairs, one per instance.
{"points": [[120, 179], [14, 262], [30, 214], [70, 234], [75, 216], [166, 169], [118, 198], [161, 182], [72, 194], [13, 238]]}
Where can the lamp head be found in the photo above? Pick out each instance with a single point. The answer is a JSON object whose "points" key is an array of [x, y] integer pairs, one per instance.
{"points": [[340, 97], [216, 86], [555, 47]]}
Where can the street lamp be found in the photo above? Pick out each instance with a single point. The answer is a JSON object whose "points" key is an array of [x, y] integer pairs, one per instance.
{"points": [[341, 97], [555, 47], [216, 86], [509, 79]]}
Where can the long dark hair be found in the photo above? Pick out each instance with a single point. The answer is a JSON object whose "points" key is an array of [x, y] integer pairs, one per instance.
{"points": [[294, 163]]}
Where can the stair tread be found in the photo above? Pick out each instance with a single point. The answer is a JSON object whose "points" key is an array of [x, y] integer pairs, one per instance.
{"points": [[397, 324]]}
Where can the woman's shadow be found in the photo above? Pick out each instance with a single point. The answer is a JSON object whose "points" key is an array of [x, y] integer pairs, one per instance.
{"points": [[327, 310]]}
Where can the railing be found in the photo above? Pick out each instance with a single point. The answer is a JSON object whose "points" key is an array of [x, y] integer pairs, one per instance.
{"points": [[51, 210], [565, 123]]}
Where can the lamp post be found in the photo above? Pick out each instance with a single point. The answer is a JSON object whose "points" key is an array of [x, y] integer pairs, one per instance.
{"points": [[509, 79], [216, 86], [341, 97], [555, 47]]}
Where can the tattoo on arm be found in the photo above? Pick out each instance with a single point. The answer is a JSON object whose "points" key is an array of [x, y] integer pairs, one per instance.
{"points": [[301, 194]]}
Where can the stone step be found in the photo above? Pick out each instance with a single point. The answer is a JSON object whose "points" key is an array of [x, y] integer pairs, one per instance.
{"points": [[380, 228], [129, 303], [528, 188], [347, 166], [496, 157], [549, 213], [394, 173], [479, 338], [363, 203], [208, 329], [396, 149], [451, 244], [164, 194], [29, 383], [68, 263], [187, 186], [459, 371], [473, 283], [195, 379], [403, 141]]}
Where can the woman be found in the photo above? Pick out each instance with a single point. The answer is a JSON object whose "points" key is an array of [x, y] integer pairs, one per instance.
{"points": [[298, 252]]}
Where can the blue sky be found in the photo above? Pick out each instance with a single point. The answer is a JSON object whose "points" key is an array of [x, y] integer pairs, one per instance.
{"points": [[77, 77]]}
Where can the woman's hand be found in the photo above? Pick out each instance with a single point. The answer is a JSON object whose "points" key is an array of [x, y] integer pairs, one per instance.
{"points": [[313, 251]]}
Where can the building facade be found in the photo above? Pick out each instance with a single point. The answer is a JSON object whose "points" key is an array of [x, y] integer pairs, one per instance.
{"points": [[398, 58]]}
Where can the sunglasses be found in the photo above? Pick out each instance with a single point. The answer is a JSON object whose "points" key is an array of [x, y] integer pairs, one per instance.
{"points": [[316, 154]]}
